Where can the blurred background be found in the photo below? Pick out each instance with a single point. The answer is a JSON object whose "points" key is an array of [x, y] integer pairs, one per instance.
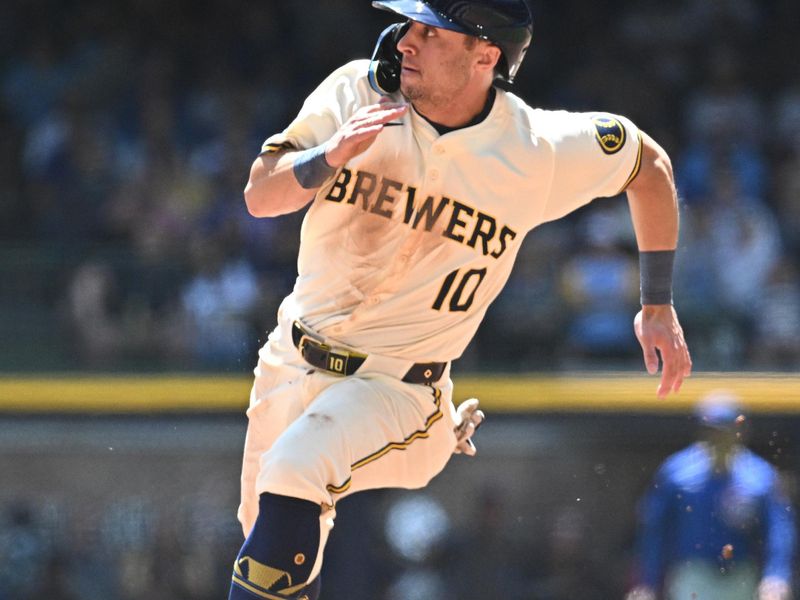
{"points": [[128, 129]]}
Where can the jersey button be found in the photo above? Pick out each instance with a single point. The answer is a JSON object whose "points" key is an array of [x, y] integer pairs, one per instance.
{"points": [[373, 300], [439, 150], [434, 174]]}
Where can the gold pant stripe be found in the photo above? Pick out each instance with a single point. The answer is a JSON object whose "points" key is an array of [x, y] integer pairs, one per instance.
{"points": [[256, 590], [417, 435], [338, 489]]}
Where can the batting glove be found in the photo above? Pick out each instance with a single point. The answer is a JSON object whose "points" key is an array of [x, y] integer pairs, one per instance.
{"points": [[468, 419]]}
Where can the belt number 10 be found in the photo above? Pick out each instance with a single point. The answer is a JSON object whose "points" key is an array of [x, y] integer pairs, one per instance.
{"points": [[458, 302]]}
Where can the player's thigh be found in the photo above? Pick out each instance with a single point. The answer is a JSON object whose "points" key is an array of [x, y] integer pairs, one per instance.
{"points": [[361, 433], [277, 399], [405, 442]]}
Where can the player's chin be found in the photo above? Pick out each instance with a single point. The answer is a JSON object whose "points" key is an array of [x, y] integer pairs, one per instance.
{"points": [[410, 90]]}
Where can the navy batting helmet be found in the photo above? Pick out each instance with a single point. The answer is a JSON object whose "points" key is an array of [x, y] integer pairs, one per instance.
{"points": [[506, 23]]}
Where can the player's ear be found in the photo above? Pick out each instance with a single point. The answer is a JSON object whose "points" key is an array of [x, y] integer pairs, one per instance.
{"points": [[488, 56]]}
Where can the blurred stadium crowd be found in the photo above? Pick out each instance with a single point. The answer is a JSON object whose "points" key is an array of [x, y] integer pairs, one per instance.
{"points": [[129, 128], [130, 552]]}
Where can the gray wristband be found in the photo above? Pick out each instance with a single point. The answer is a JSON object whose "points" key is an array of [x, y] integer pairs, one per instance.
{"points": [[655, 276], [311, 169]]}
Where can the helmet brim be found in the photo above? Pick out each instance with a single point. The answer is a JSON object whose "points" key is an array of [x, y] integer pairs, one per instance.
{"points": [[421, 12]]}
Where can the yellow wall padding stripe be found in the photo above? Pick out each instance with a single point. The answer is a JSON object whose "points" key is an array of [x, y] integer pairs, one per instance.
{"points": [[625, 392], [419, 434], [131, 394], [619, 392]]}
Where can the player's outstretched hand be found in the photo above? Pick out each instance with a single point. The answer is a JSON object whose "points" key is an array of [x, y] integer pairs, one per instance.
{"points": [[359, 131], [659, 332], [468, 419]]}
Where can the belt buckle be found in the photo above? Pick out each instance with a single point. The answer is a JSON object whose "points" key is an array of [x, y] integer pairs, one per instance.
{"points": [[305, 339], [335, 360]]}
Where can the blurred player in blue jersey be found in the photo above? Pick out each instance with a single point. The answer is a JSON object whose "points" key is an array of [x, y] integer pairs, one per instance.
{"points": [[715, 524]]}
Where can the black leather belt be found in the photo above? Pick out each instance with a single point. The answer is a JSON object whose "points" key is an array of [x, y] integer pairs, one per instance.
{"points": [[346, 362]]}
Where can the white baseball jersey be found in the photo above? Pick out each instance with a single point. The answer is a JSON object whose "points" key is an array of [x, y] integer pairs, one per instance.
{"points": [[403, 250]]}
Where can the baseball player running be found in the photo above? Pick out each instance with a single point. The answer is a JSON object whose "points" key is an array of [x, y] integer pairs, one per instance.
{"points": [[422, 179]]}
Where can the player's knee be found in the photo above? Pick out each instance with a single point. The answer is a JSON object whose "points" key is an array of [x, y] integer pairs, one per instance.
{"points": [[278, 558], [300, 472]]}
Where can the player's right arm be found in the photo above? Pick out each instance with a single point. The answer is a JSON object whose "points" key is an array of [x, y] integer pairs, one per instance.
{"points": [[284, 182], [272, 188]]}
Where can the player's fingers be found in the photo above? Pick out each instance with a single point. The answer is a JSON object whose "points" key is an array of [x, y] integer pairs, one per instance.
{"points": [[647, 344], [470, 449], [466, 409], [689, 365], [461, 429], [380, 115], [383, 104], [362, 134], [386, 116], [684, 369], [367, 111], [366, 131], [671, 369], [469, 405], [393, 105], [683, 362], [465, 447], [380, 110], [650, 357], [677, 382], [663, 387], [367, 127]]}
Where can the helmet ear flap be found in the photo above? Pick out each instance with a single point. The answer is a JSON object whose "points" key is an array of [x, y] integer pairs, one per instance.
{"points": [[384, 66]]}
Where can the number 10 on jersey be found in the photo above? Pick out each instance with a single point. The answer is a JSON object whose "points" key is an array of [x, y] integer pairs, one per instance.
{"points": [[463, 294]]}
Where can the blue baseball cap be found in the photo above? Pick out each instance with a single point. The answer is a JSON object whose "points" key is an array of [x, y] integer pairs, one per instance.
{"points": [[720, 409]]}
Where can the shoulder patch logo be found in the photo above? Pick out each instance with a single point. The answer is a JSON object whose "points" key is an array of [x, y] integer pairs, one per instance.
{"points": [[610, 133]]}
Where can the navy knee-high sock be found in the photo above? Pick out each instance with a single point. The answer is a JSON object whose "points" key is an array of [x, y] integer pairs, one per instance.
{"points": [[276, 560]]}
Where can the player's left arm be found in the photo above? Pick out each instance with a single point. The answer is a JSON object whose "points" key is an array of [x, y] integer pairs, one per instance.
{"points": [[656, 513], [653, 203], [780, 544]]}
